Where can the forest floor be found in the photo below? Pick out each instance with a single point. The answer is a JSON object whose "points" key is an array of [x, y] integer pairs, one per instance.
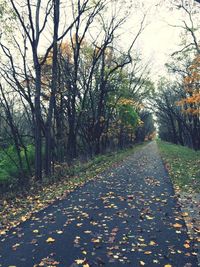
{"points": [[127, 216]]}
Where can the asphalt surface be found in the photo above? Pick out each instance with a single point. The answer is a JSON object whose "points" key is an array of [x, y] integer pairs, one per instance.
{"points": [[127, 217]]}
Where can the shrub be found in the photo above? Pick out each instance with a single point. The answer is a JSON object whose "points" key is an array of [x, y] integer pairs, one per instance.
{"points": [[5, 178], [9, 164]]}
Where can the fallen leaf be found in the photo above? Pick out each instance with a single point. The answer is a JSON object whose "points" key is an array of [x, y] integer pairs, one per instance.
{"points": [[184, 214], [79, 261], [141, 239], [147, 252], [197, 229], [23, 218], [95, 240], [177, 225], [87, 232], [2, 232], [50, 240], [149, 217], [59, 232], [15, 246]]}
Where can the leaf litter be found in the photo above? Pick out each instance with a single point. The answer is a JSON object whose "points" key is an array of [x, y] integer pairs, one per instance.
{"points": [[120, 219]]}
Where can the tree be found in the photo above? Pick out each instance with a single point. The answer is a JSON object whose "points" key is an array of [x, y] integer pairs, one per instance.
{"points": [[70, 88], [32, 32], [191, 102]]}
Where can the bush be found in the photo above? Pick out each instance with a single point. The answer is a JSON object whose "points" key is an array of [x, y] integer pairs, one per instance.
{"points": [[31, 156], [9, 164], [4, 177]]}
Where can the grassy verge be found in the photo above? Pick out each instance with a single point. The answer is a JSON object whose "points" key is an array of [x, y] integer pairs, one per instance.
{"points": [[183, 164], [15, 208]]}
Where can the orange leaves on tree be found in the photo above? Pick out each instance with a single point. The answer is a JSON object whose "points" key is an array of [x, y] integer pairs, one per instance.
{"points": [[191, 103]]}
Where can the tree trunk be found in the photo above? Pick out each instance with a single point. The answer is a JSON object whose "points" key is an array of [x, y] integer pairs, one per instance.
{"points": [[37, 124], [71, 144], [49, 147]]}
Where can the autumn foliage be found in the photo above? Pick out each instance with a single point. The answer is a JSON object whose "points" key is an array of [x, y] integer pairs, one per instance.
{"points": [[191, 103]]}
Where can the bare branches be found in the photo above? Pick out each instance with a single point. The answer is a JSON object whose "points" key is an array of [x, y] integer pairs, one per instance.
{"points": [[189, 25], [191, 30], [20, 18], [185, 48], [47, 13]]}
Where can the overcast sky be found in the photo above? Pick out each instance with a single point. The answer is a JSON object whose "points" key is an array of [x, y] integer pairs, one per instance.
{"points": [[159, 40]]}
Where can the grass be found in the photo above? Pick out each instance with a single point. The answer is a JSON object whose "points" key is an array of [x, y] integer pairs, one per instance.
{"points": [[98, 164], [183, 164], [16, 208]]}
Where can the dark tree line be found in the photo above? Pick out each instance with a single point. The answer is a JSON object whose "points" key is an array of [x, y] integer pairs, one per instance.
{"points": [[177, 100], [68, 90]]}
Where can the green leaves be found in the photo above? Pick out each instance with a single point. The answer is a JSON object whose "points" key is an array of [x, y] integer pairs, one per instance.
{"points": [[128, 115]]}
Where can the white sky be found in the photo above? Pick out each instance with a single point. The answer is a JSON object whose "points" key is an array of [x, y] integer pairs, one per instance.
{"points": [[159, 40]]}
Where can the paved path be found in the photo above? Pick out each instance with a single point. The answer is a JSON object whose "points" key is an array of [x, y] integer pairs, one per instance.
{"points": [[128, 217]]}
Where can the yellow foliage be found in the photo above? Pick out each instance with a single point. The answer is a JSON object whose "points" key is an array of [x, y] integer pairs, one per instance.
{"points": [[191, 103]]}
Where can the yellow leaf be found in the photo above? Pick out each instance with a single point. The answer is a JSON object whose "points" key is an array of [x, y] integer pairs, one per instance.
{"points": [[2, 232], [50, 240], [23, 218], [168, 265], [86, 265], [177, 225], [141, 239], [186, 245], [35, 231], [79, 261], [95, 240], [152, 243], [147, 252], [142, 263], [149, 217]]}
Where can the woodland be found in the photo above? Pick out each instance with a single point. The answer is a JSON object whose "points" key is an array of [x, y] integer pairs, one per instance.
{"points": [[70, 91]]}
